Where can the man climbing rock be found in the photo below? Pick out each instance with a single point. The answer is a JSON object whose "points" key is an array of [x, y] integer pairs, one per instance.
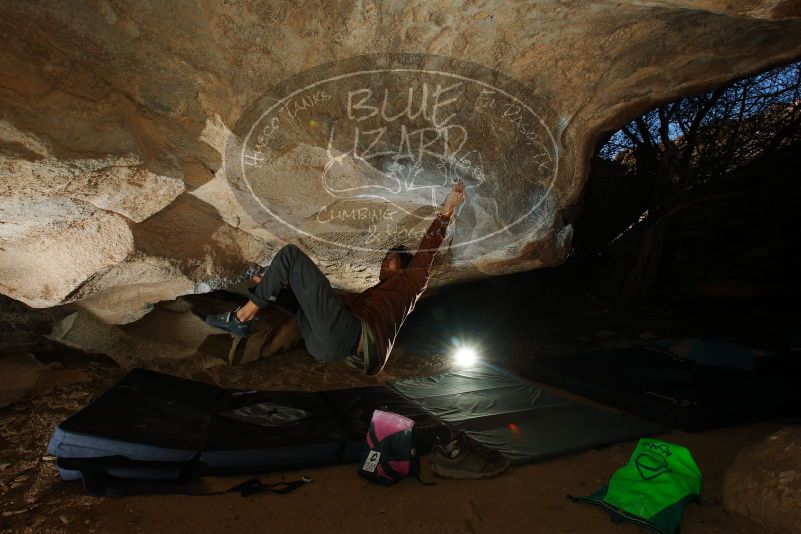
{"points": [[359, 328]]}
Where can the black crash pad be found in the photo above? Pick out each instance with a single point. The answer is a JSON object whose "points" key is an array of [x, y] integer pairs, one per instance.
{"points": [[169, 421], [675, 391]]}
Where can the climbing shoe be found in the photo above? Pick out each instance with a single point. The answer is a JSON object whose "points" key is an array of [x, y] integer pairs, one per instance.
{"points": [[466, 458], [227, 321]]}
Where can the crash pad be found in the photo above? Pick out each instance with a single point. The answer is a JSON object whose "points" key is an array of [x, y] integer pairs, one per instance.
{"points": [[160, 427], [677, 390], [517, 417], [172, 426]]}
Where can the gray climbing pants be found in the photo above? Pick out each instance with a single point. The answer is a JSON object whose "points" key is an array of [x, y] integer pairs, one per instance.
{"points": [[329, 328]]}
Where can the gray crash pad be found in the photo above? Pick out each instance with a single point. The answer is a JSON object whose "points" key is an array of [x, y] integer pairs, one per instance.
{"points": [[517, 417]]}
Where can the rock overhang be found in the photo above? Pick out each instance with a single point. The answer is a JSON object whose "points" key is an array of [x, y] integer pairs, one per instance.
{"points": [[122, 122]]}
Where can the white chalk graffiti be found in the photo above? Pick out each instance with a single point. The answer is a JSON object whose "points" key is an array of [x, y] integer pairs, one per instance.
{"points": [[395, 140]]}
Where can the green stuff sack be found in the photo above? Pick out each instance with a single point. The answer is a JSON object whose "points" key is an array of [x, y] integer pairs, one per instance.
{"points": [[653, 488]]}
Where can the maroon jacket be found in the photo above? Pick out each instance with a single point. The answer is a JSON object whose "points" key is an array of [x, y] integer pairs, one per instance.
{"points": [[385, 306]]}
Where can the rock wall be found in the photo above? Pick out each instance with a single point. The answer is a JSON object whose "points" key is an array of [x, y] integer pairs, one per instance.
{"points": [[126, 128], [764, 483]]}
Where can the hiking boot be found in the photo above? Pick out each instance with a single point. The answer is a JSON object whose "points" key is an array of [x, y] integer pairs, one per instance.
{"points": [[228, 322], [466, 458]]}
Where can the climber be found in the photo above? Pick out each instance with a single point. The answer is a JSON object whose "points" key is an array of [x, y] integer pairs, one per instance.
{"points": [[359, 328]]}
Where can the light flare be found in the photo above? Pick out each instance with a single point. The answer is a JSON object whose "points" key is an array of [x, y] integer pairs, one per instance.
{"points": [[465, 356]]}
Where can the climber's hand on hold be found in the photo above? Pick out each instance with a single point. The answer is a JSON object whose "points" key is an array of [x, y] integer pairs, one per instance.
{"points": [[454, 199]]}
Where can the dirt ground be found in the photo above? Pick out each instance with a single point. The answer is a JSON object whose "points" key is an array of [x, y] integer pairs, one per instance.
{"points": [[530, 498]]}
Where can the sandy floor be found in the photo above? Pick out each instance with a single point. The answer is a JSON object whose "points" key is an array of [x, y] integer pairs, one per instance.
{"points": [[529, 498]]}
